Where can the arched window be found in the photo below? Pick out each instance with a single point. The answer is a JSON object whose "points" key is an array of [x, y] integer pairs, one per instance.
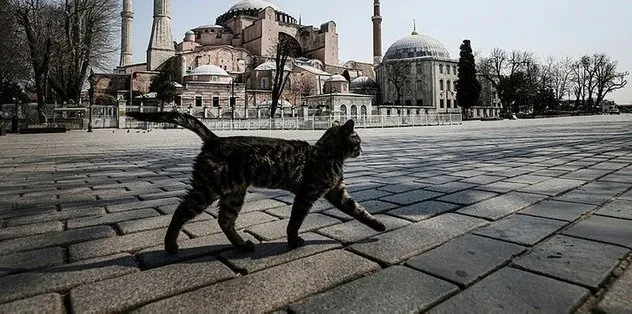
{"points": [[363, 110], [418, 68], [440, 84], [447, 69], [454, 84], [343, 110], [265, 83], [420, 86], [448, 85], [354, 111], [441, 68], [454, 68]]}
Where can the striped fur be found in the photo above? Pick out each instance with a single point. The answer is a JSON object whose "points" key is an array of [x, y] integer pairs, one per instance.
{"points": [[227, 166]]}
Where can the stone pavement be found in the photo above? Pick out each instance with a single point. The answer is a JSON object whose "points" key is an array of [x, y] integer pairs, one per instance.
{"points": [[510, 216]]}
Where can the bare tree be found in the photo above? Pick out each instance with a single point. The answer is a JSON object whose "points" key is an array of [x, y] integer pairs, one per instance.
{"points": [[607, 79], [14, 62], [300, 87], [507, 74], [561, 71], [397, 74], [284, 48]]}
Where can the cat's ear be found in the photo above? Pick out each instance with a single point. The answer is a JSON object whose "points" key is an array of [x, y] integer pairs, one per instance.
{"points": [[349, 125], [336, 123]]}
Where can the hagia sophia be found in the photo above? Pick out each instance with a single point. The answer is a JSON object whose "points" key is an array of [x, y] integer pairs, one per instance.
{"points": [[234, 58]]}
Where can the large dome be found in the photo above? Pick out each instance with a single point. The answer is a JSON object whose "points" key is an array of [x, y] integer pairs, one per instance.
{"points": [[415, 46], [208, 69], [254, 5]]}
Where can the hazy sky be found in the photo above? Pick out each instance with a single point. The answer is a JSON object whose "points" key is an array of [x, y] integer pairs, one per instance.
{"points": [[546, 27]]}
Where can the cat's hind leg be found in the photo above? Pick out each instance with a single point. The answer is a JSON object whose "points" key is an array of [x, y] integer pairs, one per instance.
{"points": [[229, 206], [340, 198], [191, 205]]}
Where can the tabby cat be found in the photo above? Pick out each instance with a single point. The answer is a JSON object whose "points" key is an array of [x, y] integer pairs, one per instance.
{"points": [[227, 166]]}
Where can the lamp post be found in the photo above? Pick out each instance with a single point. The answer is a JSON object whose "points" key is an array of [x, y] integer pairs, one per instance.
{"points": [[91, 95], [232, 103]]}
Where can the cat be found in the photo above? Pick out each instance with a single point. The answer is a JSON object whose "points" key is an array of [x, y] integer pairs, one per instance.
{"points": [[227, 166]]}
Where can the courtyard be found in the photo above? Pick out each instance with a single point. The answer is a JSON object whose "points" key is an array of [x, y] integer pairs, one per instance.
{"points": [[504, 216]]}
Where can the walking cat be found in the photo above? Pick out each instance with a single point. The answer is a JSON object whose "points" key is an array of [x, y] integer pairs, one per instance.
{"points": [[227, 166]]}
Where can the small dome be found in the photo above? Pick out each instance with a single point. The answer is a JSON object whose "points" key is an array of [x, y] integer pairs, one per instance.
{"points": [[254, 5], [270, 66], [361, 82], [415, 46], [336, 78], [209, 69], [189, 33]]}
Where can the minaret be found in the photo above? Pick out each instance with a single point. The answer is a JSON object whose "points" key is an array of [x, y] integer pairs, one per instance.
{"points": [[161, 45], [377, 33], [127, 17]]}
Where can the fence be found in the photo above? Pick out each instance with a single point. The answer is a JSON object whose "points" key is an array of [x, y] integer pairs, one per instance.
{"points": [[313, 122]]}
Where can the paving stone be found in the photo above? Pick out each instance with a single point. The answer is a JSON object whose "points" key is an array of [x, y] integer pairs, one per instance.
{"points": [[354, 230], [402, 187], [528, 179], [483, 179], [277, 229], [617, 209], [627, 195], [398, 245], [189, 249], [272, 288], [522, 229], [21, 262], [466, 259], [423, 210], [120, 244], [583, 262], [162, 195], [353, 186], [30, 230], [142, 204], [111, 218], [55, 215], [128, 292], [365, 195], [558, 210], [501, 206], [269, 254], [617, 299], [467, 197], [411, 197], [208, 227], [603, 229], [552, 187], [47, 303], [152, 223], [586, 196], [55, 239], [63, 278], [451, 187], [401, 290], [501, 187], [260, 205], [586, 174], [517, 291]]}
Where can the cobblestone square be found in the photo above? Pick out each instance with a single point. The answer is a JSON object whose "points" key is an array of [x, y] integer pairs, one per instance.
{"points": [[477, 216]]}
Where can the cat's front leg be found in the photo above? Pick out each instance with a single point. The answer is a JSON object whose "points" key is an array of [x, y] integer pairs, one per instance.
{"points": [[340, 198], [300, 209]]}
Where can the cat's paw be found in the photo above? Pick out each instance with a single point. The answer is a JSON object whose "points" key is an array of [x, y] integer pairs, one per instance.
{"points": [[247, 246], [171, 248], [295, 242], [378, 226]]}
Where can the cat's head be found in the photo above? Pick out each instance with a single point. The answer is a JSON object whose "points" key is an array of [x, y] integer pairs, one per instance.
{"points": [[341, 141]]}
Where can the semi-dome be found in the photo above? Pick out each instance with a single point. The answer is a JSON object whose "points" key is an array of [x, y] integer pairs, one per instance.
{"points": [[208, 69], [415, 46], [361, 82]]}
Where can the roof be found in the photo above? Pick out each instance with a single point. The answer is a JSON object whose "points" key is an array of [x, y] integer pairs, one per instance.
{"points": [[414, 46], [208, 69], [270, 66], [363, 82], [313, 70], [254, 5], [336, 78]]}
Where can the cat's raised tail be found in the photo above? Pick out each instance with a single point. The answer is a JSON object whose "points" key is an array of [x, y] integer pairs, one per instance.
{"points": [[184, 120]]}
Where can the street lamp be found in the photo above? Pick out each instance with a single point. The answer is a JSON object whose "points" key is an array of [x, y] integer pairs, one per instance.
{"points": [[91, 95]]}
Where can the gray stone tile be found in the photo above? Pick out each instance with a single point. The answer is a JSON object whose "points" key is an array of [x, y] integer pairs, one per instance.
{"points": [[404, 290], [483, 179], [142, 204], [411, 197], [583, 262], [465, 259], [552, 187], [423, 210], [189, 249], [245, 220], [501, 187], [160, 194], [272, 288], [261, 205], [120, 244], [467, 197], [277, 229], [586, 174], [437, 180], [398, 245], [365, 195], [402, 187], [522, 229], [586, 196], [63, 278], [55, 239], [30, 230], [558, 210], [45, 303], [56, 215], [451, 187], [354, 230], [516, 291], [269, 254], [501, 206], [617, 299], [128, 292], [528, 179], [155, 222], [627, 195], [111, 218], [603, 229], [21, 262], [618, 209]]}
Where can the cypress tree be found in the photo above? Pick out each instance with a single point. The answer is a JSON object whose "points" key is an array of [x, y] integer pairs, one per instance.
{"points": [[468, 87]]}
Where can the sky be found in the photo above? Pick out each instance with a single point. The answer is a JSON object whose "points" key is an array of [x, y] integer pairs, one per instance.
{"points": [[556, 28]]}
